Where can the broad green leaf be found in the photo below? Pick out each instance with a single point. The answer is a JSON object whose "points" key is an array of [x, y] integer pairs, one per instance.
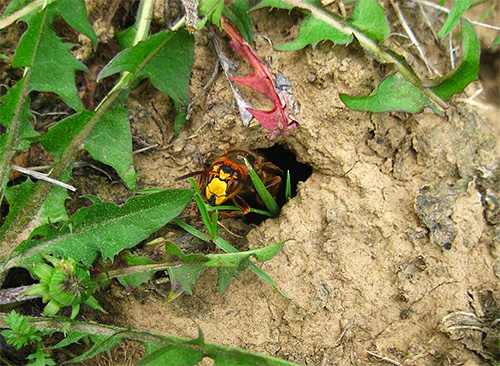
{"points": [[126, 38], [278, 4], [172, 355], [465, 73], [238, 14], [43, 52], [53, 209], [395, 93], [105, 228], [186, 275], [369, 18], [75, 14], [166, 58], [459, 7], [58, 137], [9, 104], [313, 31], [110, 142], [210, 10], [14, 115]]}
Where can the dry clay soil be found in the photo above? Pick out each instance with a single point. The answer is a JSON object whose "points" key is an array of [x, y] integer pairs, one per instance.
{"points": [[396, 249]]}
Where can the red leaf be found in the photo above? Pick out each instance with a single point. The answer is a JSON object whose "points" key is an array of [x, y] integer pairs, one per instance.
{"points": [[278, 120]]}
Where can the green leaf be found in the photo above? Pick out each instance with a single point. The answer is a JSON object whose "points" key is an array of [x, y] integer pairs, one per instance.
{"points": [[193, 231], [172, 355], [180, 351], [15, 5], [53, 209], [313, 31], [238, 14], [185, 275], [496, 41], [395, 93], [43, 52], [126, 38], [21, 333], [102, 343], [369, 17], [225, 246], [40, 357], [211, 10], [59, 137], [9, 104], [136, 279], [166, 58], [75, 14], [288, 186], [225, 275], [459, 7], [465, 73], [110, 142], [105, 228], [14, 115], [277, 4], [171, 248], [261, 189], [234, 260]]}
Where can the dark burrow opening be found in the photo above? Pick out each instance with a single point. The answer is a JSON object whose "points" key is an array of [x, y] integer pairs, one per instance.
{"points": [[287, 161]]}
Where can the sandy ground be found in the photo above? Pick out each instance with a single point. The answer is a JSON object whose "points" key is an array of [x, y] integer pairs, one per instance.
{"points": [[396, 249]]}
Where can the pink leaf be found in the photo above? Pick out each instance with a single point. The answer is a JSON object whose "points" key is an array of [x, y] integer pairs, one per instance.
{"points": [[278, 120]]}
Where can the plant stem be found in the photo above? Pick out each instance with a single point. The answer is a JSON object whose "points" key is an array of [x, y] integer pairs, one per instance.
{"points": [[50, 325], [370, 46], [8, 20], [133, 270]]}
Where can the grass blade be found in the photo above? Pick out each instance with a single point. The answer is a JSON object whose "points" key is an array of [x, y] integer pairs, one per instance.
{"points": [[261, 189], [288, 186]]}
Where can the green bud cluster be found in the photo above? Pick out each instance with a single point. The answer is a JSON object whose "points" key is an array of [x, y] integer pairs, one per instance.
{"points": [[63, 282]]}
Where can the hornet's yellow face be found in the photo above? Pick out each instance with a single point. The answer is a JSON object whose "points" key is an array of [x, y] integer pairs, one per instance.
{"points": [[222, 184]]}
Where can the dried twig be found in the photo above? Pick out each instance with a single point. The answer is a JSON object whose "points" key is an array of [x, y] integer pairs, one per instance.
{"points": [[42, 176], [452, 53], [384, 359], [413, 39], [203, 89], [427, 21], [446, 10]]}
